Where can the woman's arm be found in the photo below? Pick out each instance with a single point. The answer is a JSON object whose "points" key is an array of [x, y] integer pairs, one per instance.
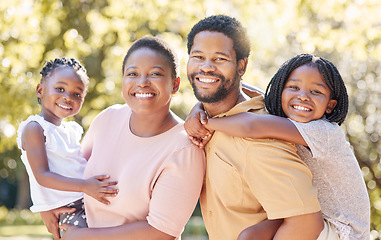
{"points": [[33, 141], [251, 125], [135, 231]]}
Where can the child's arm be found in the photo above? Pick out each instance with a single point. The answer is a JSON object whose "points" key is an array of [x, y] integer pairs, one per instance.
{"points": [[261, 231], [197, 133], [33, 141], [251, 125], [302, 227]]}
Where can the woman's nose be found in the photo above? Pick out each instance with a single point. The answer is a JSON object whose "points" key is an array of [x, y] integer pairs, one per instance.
{"points": [[143, 81]]}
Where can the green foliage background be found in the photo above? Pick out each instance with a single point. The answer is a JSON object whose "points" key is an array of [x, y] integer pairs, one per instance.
{"points": [[98, 33]]}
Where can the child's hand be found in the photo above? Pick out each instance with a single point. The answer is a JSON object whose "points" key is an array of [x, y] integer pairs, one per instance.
{"points": [[194, 126], [97, 188]]}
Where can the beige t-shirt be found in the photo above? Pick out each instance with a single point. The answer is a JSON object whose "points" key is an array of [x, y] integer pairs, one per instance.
{"points": [[250, 180], [159, 178]]}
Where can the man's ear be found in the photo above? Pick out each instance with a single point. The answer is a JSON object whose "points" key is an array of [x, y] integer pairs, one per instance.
{"points": [[176, 85], [242, 64], [331, 105]]}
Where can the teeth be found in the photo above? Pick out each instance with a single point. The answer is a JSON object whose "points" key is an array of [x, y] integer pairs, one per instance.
{"points": [[64, 107], [301, 108], [207, 80], [143, 95]]}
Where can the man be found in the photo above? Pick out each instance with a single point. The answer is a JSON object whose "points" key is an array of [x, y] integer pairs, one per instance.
{"points": [[247, 181]]}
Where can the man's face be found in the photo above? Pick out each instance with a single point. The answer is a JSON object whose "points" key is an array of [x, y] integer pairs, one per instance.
{"points": [[212, 66]]}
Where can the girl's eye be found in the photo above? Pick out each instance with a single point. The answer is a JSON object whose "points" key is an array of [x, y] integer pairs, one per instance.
{"points": [[77, 95], [293, 87], [156, 74], [131, 74], [316, 92], [60, 89]]}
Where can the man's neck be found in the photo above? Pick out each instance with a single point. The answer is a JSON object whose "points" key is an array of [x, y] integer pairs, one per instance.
{"points": [[214, 109]]}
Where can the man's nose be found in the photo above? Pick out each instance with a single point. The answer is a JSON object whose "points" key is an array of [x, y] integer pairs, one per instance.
{"points": [[207, 66]]}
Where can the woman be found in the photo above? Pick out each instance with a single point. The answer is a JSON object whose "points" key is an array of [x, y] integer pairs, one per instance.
{"points": [[144, 147]]}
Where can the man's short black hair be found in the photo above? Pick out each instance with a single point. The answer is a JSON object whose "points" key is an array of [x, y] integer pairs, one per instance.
{"points": [[229, 26]]}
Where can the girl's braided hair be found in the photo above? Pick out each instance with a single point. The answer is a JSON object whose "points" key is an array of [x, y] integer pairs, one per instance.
{"points": [[330, 74]]}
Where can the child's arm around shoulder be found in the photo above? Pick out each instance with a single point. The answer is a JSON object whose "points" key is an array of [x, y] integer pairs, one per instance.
{"points": [[33, 142], [251, 125]]}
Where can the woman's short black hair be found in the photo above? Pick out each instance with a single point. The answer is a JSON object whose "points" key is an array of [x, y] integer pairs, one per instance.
{"points": [[229, 26], [158, 45], [330, 74]]}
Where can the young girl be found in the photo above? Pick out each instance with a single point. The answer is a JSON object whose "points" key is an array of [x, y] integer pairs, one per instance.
{"points": [[50, 147], [309, 99]]}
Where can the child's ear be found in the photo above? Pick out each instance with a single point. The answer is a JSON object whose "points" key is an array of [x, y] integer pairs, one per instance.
{"points": [[331, 105], [176, 85], [39, 90]]}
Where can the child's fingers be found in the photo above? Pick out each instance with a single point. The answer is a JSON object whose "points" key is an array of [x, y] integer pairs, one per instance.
{"points": [[203, 118], [111, 183], [102, 177], [108, 190], [103, 200], [114, 194]]}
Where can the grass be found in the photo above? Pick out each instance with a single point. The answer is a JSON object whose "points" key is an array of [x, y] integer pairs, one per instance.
{"points": [[194, 230], [26, 231]]}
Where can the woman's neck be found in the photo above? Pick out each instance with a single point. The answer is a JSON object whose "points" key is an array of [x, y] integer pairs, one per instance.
{"points": [[148, 125]]}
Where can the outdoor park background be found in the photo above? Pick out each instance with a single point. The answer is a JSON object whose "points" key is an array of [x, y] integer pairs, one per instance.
{"points": [[98, 33]]}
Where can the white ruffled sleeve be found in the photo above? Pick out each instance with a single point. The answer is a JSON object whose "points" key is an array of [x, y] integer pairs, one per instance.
{"points": [[33, 118]]}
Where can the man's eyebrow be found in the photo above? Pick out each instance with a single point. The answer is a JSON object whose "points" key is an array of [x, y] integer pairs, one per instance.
{"points": [[196, 51], [224, 54]]}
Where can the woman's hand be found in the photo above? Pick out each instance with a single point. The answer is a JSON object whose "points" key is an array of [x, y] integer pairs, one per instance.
{"points": [[71, 232], [50, 218], [99, 189]]}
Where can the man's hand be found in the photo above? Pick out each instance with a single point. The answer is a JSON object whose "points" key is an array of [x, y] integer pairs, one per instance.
{"points": [[51, 217]]}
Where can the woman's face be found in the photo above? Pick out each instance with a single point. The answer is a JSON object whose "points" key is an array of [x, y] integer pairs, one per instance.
{"points": [[148, 83]]}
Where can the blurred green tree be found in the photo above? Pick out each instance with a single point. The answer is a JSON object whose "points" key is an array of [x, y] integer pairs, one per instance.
{"points": [[98, 33]]}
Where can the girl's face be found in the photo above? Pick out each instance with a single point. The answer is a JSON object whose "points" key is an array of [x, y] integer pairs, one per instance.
{"points": [[306, 96], [148, 83], [62, 95]]}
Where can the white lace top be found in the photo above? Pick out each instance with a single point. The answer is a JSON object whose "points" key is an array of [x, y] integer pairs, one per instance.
{"points": [[337, 176]]}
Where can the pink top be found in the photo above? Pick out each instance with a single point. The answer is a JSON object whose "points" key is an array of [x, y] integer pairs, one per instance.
{"points": [[159, 178]]}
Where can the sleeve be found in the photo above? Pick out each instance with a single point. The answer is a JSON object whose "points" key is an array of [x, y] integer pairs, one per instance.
{"points": [[177, 190], [281, 182], [45, 127], [316, 135]]}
